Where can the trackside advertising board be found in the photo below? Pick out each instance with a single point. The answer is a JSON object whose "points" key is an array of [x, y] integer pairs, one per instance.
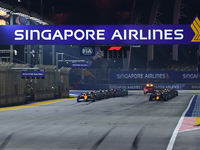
{"points": [[100, 34], [153, 76], [33, 74], [140, 86], [86, 65]]}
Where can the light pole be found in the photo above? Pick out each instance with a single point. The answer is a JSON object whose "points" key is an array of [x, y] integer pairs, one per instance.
{"points": [[53, 55], [57, 70], [41, 9], [28, 46], [41, 46], [11, 46]]}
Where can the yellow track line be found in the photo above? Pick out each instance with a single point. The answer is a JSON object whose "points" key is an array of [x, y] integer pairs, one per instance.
{"points": [[34, 104], [197, 121]]}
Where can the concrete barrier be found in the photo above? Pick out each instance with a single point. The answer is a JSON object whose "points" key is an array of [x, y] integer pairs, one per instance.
{"points": [[12, 100], [64, 94], [3, 101], [12, 85], [43, 96]]}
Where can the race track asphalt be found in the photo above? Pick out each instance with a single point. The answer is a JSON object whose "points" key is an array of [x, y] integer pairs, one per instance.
{"points": [[123, 123]]}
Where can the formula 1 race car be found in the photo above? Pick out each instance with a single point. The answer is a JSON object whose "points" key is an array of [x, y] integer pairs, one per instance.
{"points": [[172, 92], [97, 95], [159, 95], [86, 97], [105, 94], [125, 92], [163, 95], [121, 92], [113, 92], [108, 93], [149, 88], [101, 94]]}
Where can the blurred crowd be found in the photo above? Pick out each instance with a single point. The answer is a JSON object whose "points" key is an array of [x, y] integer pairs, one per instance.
{"points": [[184, 67]]}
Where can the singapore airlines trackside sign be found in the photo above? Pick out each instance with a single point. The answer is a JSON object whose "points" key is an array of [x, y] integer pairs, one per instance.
{"points": [[196, 28], [100, 34]]}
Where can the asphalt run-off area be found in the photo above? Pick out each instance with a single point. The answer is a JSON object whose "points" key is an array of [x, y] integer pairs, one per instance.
{"points": [[123, 123]]}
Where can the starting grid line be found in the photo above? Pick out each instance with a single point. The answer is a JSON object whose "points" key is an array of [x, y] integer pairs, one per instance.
{"points": [[35, 104]]}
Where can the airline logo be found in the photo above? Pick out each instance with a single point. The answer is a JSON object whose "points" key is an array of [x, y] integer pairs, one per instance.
{"points": [[101, 34], [196, 28]]}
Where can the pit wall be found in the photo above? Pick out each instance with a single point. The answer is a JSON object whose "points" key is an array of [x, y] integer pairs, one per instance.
{"points": [[43, 87], [43, 96], [182, 86], [12, 100], [14, 89]]}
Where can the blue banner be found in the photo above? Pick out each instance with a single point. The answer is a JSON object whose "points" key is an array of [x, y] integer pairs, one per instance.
{"points": [[139, 86], [192, 86], [33, 74], [83, 65], [87, 51], [100, 34], [154, 76]]}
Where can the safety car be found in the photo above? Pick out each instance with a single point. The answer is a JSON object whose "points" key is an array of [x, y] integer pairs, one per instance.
{"points": [[149, 88]]}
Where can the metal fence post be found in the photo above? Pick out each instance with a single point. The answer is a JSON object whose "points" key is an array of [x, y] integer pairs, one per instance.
{"points": [[57, 70], [11, 46], [53, 54]]}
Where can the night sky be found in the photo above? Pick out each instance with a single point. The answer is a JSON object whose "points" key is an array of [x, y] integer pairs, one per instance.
{"points": [[109, 11]]}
